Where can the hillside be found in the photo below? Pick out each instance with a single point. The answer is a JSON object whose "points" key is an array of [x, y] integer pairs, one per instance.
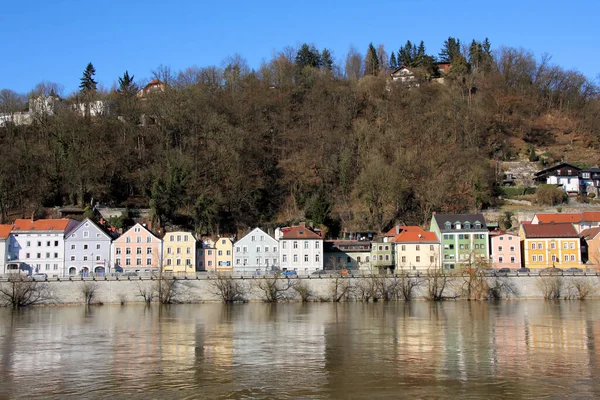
{"points": [[224, 149]]}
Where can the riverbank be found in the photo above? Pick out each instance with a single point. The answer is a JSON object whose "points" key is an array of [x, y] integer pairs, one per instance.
{"points": [[320, 289]]}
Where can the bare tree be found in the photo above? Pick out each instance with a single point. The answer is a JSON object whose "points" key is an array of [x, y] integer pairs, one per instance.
{"points": [[302, 290], [274, 288], [22, 292], [582, 288], [168, 289], [146, 291], [387, 289], [88, 291], [501, 287], [550, 286], [365, 288], [229, 290], [341, 288], [437, 284], [408, 286]]}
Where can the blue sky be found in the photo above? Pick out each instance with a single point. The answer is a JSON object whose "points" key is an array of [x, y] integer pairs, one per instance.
{"points": [[54, 41]]}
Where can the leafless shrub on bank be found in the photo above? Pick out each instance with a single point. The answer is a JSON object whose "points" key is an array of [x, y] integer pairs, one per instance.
{"points": [[550, 286], [581, 288], [274, 289], [388, 289], [122, 299], [302, 290], [146, 291], [365, 289], [340, 288], [501, 288], [438, 283], [23, 292], [408, 287], [88, 291], [227, 289], [474, 286], [168, 290]]}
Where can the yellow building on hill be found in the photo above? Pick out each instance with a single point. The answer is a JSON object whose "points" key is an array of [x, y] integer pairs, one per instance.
{"points": [[179, 253], [550, 245]]}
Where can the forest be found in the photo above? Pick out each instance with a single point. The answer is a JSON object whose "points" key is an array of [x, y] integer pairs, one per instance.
{"points": [[301, 138]]}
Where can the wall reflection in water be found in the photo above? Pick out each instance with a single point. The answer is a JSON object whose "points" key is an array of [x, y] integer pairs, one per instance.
{"points": [[527, 349]]}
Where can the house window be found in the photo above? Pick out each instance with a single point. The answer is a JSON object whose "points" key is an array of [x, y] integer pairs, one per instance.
{"points": [[566, 257], [316, 244], [138, 250], [512, 248], [499, 248], [306, 258], [553, 245], [188, 250], [237, 261], [358, 259], [210, 263], [148, 261], [295, 258], [253, 238], [501, 259], [85, 246], [179, 238], [387, 257], [85, 234], [168, 250], [118, 250], [48, 245], [295, 245], [97, 247], [223, 241], [501, 238], [540, 245], [266, 248], [168, 261], [55, 255], [85, 258], [380, 248], [246, 249], [138, 239], [572, 257], [149, 250], [534, 258], [97, 258], [317, 258], [258, 249], [532, 246], [431, 259], [128, 240], [430, 247], [220, 253], [554, 259], [418, 248], [238, 249], [179, 250], [148, 239], [138, 261], [512, 260], [128, 261], [72, 258], [284, 258], [387, 248], [418, 259], [541, 258], [403, 247], [228, 252], [72, 247], [380, 257], [565, 245], [209, 252], [178, 262], [572, 245], [283, 244], [306, 244], [56, 243]]}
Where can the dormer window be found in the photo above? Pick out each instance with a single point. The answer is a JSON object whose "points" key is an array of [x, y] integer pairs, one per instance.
{"points": [[457, 225], [447, 225], [477, 225], [467, 225]]}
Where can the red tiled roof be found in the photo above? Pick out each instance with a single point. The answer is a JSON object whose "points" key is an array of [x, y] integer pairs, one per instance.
{"points": [[590, 216], [403, 228], [550, 231], [41, 225], [411, 236], [589, 233], [558, 218], [300, 232], [5, 231]]}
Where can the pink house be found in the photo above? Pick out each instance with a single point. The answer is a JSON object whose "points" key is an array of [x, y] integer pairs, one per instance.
{"points": [[137, 250], [506, 250]]}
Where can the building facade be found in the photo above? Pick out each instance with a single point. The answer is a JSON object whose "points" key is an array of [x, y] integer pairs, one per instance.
{"points": [[207, 256], [255, 253], [39, 246], [506, 250], [301, 250], [179, 253], [464, 239], [87, 250], [137, 250], [347, 254], [224, 258], [416, 250], [550, 246], [5, 249]]}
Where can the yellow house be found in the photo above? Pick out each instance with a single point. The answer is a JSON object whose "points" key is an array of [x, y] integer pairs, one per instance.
{"points": [[179, 253], [224, 248], [550, 245]]}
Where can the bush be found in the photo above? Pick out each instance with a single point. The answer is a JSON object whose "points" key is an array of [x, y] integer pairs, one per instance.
{"points": [[513, 191], [550, 195]]}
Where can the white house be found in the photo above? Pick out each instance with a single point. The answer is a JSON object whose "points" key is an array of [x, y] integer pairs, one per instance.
{"points": [[257, 252], [301, 250], [39, 246]]}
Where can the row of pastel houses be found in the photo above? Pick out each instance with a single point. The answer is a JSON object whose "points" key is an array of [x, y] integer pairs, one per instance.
{"points": [[65, 247]]}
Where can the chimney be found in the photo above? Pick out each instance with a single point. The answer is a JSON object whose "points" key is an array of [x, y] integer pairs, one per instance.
{"points": [[397, 229]]}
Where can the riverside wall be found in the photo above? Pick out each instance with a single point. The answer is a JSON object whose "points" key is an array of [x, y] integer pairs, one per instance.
{"points": [[125, 291]]}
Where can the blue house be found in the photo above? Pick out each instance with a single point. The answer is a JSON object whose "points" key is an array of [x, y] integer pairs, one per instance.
{"points": [[87, 250]]}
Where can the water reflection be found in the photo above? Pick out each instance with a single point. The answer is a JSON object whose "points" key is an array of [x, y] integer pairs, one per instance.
{"points": [[524, 349]]}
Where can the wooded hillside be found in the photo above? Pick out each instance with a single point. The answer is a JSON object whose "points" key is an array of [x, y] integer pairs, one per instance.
{"points": [[302, 138]]}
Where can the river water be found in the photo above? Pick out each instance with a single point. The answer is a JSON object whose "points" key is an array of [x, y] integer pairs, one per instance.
{"points": [[510, 349]]}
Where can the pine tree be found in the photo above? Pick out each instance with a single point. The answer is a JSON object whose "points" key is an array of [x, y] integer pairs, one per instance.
{"points": [[88, 84], [406, 55], [308, 56], [326, 60], [450, 51], [393, 62], [126, 84], [371, 61]]}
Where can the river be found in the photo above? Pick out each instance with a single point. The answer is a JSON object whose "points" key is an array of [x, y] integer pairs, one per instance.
{"points": [[508, 349]]}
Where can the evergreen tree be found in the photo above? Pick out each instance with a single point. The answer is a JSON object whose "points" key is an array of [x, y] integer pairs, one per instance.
{"points": [[126, 84], [308, 56], [393, 62], [88, 84], [450, 51], [407, 54], [326, 60], [371, 61]]}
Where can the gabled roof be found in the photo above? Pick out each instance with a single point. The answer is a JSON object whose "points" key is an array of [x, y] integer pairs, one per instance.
{"points": [[559, 218], [590, 216], [416, 237], [256, 231], [131, 230], [549, 231], [554, 168], [300, 232], [402, 228], [82, 223], [26, 225], [590, 233], [5, 231], [441, 220]]}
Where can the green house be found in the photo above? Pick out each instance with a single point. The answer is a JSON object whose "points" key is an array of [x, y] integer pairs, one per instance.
{"points": [[464, 239]]}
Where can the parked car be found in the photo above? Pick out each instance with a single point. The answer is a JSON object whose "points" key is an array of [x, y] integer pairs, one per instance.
{"points": [[550, 271], [523, 270], [504, 271], [574, 270], [322, 272], [129, 273], [39, 277], [289, 273]]}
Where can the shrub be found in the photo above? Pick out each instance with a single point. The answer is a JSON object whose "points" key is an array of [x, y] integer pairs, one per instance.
{"points": [[550, 195]]}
